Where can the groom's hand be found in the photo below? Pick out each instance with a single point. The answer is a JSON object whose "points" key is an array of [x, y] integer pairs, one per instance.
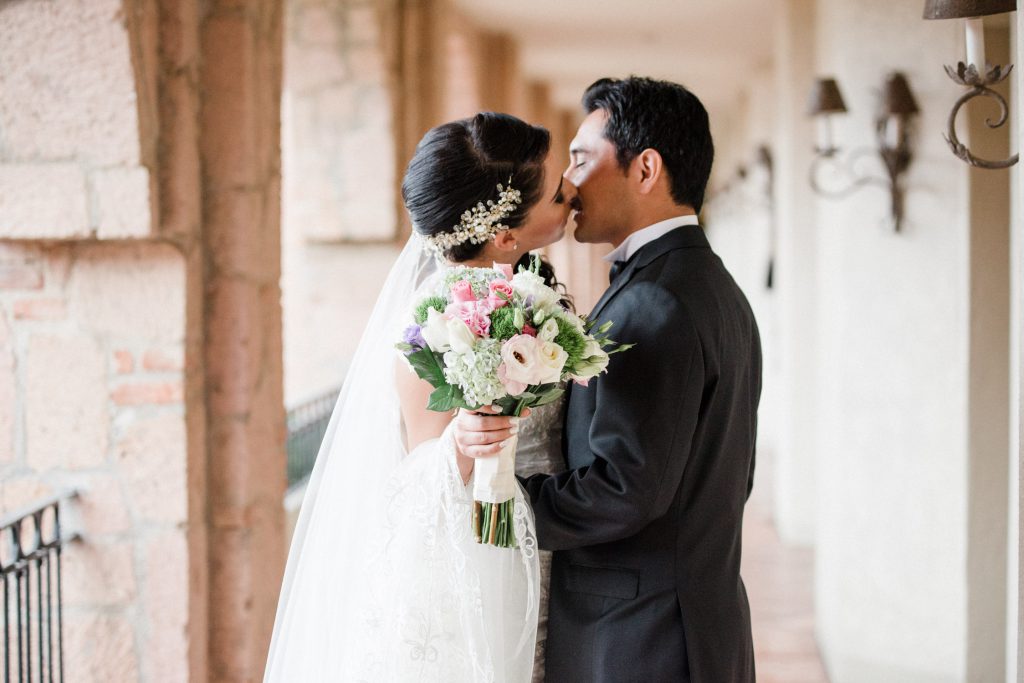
{"points": [[481, 433]]}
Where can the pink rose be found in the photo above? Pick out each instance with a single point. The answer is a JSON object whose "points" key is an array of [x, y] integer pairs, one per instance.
{"points": [[501, 293], [505, 269], [479, 322], [476, 315], [462, 291]]}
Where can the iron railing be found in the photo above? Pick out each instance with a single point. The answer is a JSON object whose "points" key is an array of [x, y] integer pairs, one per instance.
{"points": [[31, 541], [307, 424]]}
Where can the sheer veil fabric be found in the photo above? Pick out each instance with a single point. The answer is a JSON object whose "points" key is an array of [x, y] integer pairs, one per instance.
{"points": [[384, 580]]}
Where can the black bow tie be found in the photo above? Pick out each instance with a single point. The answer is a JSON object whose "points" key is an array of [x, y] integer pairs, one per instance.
{"points": [[616, 268]]}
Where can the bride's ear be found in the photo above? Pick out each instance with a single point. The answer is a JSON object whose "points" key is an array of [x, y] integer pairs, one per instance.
{"points": [[507, 241]]}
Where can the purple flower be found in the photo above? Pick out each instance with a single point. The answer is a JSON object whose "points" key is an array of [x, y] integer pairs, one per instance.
{"points": [[413, 336]]}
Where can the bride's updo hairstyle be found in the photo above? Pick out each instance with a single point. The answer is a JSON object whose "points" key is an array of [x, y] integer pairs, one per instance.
{"points": [[458, 164]]}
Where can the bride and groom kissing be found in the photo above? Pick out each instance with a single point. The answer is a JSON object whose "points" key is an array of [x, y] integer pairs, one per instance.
{"points": [[629, 514]]}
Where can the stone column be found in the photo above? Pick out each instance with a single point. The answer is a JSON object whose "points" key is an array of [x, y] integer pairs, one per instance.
{"points": [[240, 81]]}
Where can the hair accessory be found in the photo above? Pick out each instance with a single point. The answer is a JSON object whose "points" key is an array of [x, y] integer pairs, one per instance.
{"points": [[478, 224]]}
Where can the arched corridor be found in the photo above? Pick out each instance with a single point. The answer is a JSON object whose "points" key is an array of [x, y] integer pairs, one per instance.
{"points": [[199, 202]]}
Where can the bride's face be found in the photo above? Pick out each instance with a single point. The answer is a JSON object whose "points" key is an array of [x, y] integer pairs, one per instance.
{"points": [[545, 223]]}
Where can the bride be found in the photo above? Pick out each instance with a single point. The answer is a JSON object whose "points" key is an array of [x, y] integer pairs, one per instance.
{"points": [[385, 581]]}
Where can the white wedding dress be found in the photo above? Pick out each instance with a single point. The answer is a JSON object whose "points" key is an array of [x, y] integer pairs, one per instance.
{"points": [[385, 581]]}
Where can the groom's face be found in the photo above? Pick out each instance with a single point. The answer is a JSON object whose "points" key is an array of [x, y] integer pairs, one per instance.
{"points": [[602, 199]]}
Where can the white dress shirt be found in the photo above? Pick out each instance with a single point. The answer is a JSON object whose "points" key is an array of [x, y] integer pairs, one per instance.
{"points": [[638, 239]]}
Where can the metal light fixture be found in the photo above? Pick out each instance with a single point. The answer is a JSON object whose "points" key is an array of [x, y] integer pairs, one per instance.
{"points": [[892, 130], [976, 74]]}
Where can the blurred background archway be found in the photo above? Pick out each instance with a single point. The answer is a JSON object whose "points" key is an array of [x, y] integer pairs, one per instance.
{"points": [[199, 199]]}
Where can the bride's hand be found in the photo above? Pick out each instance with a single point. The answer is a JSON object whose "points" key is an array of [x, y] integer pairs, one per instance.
{"points": [[480, 434]]}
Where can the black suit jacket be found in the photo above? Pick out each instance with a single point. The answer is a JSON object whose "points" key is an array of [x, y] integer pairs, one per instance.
{"points": [[646, 524]]}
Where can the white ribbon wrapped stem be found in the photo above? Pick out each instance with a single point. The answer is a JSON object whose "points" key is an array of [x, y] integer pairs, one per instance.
{"points": [[494, 479]]}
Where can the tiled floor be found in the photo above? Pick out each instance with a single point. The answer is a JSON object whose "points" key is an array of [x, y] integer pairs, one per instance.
{"points": [[780, 584]]}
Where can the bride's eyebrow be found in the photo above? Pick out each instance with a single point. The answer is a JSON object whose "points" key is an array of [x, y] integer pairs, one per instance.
{"points": [[559, 190]]}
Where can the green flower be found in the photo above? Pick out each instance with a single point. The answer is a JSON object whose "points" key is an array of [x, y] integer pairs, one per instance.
{"points": [[570, 339], [435, 302], [503, 323]]}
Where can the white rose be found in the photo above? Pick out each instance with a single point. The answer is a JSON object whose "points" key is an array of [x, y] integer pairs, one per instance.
{"points": [[435, 331], [531, 284], [522, 361], [552, 358], [460, 337], [548, 331]]}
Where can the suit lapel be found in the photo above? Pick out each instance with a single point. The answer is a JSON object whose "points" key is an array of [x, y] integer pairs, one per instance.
{"points": [[684, 237]]}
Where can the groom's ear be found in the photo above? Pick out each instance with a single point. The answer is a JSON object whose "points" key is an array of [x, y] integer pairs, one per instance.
{"points": [[648, 167]]}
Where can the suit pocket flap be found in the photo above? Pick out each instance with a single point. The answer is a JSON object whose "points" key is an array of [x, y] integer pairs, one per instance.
{"points": [[605, 581]]}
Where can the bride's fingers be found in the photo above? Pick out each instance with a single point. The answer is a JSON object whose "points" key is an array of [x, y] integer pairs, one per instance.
{"points": [[488, 451], [486, 438], [485, 423]]}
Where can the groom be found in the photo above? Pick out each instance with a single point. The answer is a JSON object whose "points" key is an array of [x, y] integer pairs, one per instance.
{"points": [[646, 523]]}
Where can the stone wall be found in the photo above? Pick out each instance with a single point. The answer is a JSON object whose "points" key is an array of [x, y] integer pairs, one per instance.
{"points": [[92, 345], [72, 163], [145, 371]]}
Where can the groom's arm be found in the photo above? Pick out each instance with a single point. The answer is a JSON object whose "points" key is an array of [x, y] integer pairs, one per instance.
{"points": [[642, 429]]}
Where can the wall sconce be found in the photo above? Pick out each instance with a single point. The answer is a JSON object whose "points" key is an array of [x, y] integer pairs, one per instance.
{"points": [[975, 73], [892, 129]]}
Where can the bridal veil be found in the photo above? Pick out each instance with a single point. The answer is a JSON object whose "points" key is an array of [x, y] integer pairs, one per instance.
{"points": [[384, 580]]}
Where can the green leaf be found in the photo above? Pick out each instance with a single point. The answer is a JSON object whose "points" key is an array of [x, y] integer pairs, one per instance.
{"points": [[547, 397], [446, 398], [427, 365], [507, 404]]}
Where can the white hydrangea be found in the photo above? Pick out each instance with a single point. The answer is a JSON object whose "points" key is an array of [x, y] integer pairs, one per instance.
{"points": [[476, 372]]}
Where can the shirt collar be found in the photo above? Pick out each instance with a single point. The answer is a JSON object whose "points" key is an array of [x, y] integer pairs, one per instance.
{"points": [[634, 241]]}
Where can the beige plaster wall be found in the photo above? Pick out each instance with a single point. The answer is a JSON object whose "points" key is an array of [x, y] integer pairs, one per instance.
{"points": [[893, 363]]}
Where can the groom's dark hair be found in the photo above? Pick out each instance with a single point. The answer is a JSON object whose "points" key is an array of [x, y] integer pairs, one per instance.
{"points": [[647, 114]]}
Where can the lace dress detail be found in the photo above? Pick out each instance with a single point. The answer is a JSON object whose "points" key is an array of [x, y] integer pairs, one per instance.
{"points": [[540, 451], [437, 607]]}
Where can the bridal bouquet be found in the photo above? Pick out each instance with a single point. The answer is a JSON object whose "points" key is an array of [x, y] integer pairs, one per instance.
{"points": [[488, 337]]}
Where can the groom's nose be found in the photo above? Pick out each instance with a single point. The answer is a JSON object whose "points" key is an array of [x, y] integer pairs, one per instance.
{"points": [[570, 192]]}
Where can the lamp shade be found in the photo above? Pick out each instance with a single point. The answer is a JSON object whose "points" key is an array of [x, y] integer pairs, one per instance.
{"points": [[825, 98], [896, 96], [965, 9]]}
